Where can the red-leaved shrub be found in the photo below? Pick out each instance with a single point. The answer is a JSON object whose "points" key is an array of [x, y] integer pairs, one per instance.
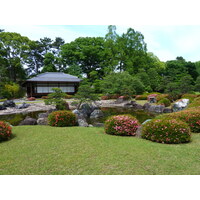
{"points": [[123, 125], [62, 119], [5, 131]]}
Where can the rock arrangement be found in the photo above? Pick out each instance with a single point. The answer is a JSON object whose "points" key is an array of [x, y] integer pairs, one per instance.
{"points": [[87, 111]]}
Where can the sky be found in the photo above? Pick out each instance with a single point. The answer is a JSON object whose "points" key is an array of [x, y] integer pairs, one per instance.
{"points": [[165, 41]]}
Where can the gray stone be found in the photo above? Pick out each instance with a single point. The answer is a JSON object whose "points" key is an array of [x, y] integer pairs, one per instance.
{"points": [[28, 121], [167, 110], [2, 107], [96, 114], [9, 103], [79, 114], [180, 105], [43, 115], [90, 125], [98, 124], [82, 122], [23, 105], [146, 106], [42, 121], [156, 108], [86, 109]]}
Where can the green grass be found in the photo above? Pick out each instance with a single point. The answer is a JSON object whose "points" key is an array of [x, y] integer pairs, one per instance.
{"points": [[79, 150]]}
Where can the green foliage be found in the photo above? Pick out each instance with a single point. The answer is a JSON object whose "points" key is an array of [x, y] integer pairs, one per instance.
{"points": [[197, 84], [166, 102], [85, 93], [5, 131], [169, 131], [11, 91], [56, 98], [49, 63], [121, 83], [62, 119], [195, 103], [123, 125], [186, 84], [173, 89]]}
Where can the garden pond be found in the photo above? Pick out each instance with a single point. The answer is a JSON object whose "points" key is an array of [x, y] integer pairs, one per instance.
{"points": [[15, 119]]}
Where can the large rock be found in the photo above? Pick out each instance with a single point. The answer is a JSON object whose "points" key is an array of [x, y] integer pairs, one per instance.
{"points": [[43, 115], [86, 109], [146, 106], [42, 121], [79, 114], [2, 107], [167, 110], [82, 122], [96, 114], [156, 108], [23, 105], [180, 105], [9, 103], [28, 121]]}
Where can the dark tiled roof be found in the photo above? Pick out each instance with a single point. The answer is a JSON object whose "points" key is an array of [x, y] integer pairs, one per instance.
{"points": [[55, 77]]}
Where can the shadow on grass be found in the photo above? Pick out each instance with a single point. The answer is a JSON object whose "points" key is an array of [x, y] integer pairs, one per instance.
{"points": [[9, 139]]}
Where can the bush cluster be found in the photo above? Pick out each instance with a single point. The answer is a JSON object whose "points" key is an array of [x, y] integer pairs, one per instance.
{"points": [[62, 105], [166, 102], [123, 125], [190, 116], [169, 131], [62, 119], [67, 96], [191, 97], [195, 103], [5, 131], [141, 97]]}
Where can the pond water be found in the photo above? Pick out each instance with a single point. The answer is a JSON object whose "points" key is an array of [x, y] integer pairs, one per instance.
{"points": [[142, 116], [15, 119]]}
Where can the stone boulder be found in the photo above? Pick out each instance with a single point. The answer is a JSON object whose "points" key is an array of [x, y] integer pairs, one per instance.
{"points": [[28, 121], [9, 103], [43, 115], [23, 105], [86, 109], [156, 108], [96, 114], [2, 107], [146, 106], [82, 122], [167, 110], [42, 121], [180, 105]]}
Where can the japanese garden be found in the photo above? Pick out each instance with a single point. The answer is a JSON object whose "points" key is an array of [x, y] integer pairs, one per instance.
{"points": [[96, 106]]}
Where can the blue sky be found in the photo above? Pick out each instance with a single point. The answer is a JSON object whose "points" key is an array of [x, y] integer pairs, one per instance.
{"points": [[167, 41]]}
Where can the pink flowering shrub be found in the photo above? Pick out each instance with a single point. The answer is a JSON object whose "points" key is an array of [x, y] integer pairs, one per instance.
{"points": [[62, 119], [5, 131], [124, 125], [191, 116], [169, 131]]}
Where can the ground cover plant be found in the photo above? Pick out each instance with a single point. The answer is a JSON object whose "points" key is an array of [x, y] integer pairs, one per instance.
{"points": [[78, 150]]}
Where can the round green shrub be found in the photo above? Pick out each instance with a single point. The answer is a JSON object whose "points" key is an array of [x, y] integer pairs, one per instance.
{"points": [[62, 119], [141, 97], [62, 105], [169, 131], [166, 102], [190, 116], [123, 125], [5, 131]]}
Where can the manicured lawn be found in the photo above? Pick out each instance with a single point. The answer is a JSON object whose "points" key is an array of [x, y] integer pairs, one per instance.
{"points": [[77, 150]]}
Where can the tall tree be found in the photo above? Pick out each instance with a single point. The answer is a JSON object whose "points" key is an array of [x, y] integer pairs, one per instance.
{"points": [[15, 48], [88, 53], [49, 63]]}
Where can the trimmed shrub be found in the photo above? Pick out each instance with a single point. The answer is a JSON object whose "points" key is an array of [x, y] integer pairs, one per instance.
{"points": [[123, 125], [166, 102], [141, 97], [169, 131], [190, 116], [68, 96], [62, 105], [62, 119], [195, 103], [5, 131]]}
